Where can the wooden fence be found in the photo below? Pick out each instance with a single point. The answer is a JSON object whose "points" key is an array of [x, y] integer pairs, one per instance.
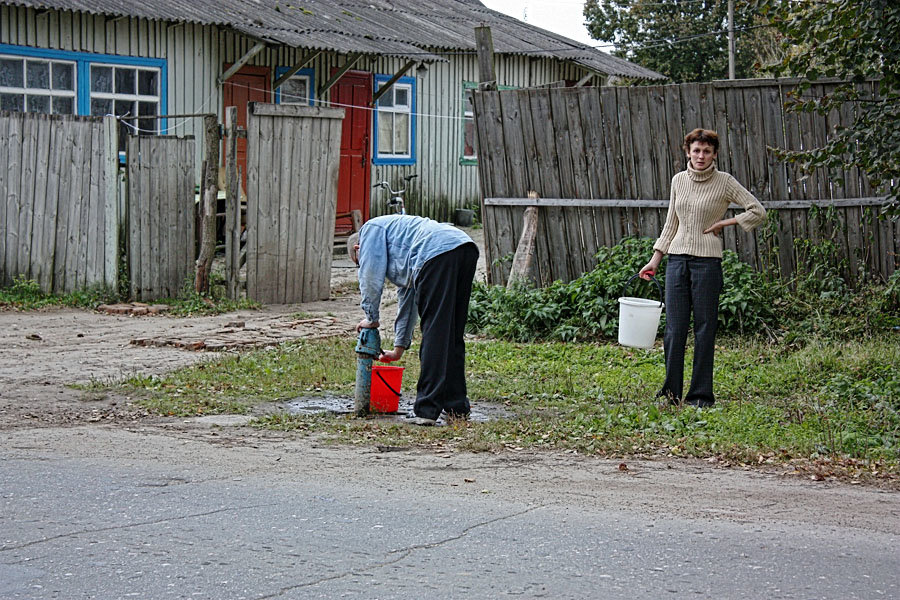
{"points": [[58, 207], [619, 147], [293, 154], [160, 215]]}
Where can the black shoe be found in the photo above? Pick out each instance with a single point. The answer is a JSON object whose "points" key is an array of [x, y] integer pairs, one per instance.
{"points": [[452, 414], [700, 403], [414, 419], [670, 397]]}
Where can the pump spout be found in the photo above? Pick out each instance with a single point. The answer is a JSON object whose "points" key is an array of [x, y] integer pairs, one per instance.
{"points": [[368, 348]]}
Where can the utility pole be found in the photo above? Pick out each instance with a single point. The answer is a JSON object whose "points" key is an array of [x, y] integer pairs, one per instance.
{"points": [[730, 39]]}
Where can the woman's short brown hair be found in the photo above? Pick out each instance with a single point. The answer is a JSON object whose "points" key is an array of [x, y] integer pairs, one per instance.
{"points": [[706, 136]]}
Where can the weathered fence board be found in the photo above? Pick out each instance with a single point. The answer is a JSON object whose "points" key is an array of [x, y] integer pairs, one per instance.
{"points": [[160, 215], [625, 143], [293, 154], [54, 171], [775, 249]]}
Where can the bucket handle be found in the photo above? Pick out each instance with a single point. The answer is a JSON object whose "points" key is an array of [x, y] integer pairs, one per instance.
{"points": [[652, 278], [396, 393]]}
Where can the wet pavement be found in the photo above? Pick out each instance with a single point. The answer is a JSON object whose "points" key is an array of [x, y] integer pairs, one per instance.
{"points": [[344, 405]]}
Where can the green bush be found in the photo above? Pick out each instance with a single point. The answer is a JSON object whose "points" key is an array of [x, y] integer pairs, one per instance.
{"points": [[817, 301]]}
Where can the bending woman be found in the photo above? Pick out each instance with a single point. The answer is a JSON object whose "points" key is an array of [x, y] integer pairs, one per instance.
{"points": [[698, 201]]}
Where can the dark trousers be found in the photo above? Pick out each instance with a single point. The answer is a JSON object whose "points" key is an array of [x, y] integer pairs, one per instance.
{"points": [[442, 295], [693, 285]]}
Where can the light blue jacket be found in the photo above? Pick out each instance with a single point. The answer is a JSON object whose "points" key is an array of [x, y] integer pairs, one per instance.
{"points": [[396, 247]]}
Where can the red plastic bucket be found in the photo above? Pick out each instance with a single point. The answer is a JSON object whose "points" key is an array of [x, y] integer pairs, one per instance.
{"points": [[382, 399]]}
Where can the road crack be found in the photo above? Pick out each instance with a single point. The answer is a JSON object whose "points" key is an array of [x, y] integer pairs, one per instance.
{"points": [[402, 553], [128, 526]]}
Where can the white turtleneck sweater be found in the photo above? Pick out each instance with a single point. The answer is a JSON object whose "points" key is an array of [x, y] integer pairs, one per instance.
{"points": [[698, 200]]}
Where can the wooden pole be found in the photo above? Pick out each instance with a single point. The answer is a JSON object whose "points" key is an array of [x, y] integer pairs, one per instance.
{"points": [[208, 206], [730, 39], [232, 205], [111, 205], [484, 46]]}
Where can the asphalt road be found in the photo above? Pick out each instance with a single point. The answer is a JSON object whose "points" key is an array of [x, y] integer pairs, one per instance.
{"points": [[98, 513]]}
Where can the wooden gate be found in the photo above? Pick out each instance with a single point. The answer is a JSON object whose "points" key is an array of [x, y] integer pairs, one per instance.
{"points": [[58, 209], [293, 155], [160, 215]]}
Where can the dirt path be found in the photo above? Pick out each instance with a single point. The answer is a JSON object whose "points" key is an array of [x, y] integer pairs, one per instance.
{"points": [[43, 351]]}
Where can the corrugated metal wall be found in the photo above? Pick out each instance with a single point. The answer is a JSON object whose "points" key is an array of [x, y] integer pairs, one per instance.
{"points": [[195, 56]]}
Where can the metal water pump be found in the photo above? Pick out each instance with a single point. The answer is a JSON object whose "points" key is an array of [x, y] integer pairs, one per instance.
{"points": [[368, 348]]}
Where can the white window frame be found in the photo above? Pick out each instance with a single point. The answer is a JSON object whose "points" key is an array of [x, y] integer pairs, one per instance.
{"points": [[134, 98], [404, 83], [305, 74], [27, 91]]}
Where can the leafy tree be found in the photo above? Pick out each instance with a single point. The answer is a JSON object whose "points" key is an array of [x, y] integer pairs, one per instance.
{"points": [[673, 36], [855, 41]]}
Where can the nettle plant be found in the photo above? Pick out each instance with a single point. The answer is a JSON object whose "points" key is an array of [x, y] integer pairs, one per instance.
{"points": [[587, 307]]}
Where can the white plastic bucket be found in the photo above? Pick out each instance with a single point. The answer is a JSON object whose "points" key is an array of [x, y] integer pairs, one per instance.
{"points": [[638, 321]]}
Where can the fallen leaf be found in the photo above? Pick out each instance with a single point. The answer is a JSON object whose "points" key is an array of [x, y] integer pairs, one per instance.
{"points": [[468, 480], [623, 467]]}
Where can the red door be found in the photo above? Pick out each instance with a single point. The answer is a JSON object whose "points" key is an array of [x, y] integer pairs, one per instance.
{"points": [[353, 93], [250, 84]]}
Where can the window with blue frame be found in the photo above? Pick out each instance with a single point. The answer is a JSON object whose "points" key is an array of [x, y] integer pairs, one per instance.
{"points": [[395, 122], [298, 89], [80, 83]]}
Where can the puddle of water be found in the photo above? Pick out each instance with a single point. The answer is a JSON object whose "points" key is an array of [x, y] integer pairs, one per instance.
{"points": [[343, 405]]}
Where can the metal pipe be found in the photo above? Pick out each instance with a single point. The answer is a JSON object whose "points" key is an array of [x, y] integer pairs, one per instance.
{"points": [[368, 348]]}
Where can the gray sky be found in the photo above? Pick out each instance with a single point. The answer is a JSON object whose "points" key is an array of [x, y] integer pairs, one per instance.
{"points": [[559, 16]]}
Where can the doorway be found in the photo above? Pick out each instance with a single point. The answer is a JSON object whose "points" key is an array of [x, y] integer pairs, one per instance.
{"points": [[250, 84], [353, 93]]}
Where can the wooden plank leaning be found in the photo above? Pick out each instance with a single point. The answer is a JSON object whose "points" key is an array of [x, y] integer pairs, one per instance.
{"points": [[524, 257]]}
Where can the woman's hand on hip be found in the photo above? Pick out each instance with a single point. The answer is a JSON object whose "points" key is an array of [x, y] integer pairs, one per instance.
{"points": [[719, 226]]}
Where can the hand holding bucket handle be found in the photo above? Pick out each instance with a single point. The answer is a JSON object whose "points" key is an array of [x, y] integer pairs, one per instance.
{"points": [[639, 318], [652, 278]]}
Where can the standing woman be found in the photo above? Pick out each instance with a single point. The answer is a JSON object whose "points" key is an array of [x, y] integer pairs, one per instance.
{"points": [[698, 201]]}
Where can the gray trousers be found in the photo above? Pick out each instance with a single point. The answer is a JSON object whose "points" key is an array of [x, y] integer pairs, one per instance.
{"points": [[693, 285]]}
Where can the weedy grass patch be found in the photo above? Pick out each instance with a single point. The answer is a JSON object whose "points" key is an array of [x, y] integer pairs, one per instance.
{"points": [[26, 294], [827, 400], [237, 382]]}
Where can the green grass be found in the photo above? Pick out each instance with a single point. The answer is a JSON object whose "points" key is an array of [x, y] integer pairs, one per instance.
{"points": [[26, 294], [832, 401]]}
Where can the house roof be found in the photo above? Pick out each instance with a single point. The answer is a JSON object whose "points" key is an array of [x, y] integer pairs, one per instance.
{"points": [[412, 29]]}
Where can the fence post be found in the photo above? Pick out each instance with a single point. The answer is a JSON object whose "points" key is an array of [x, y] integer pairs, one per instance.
{"points": [[111, 205], [208, 206], [232, 206]]}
